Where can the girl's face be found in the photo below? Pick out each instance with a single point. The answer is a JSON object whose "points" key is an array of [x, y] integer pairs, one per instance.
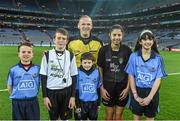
{"points": [[146, 43], [116, 36]]}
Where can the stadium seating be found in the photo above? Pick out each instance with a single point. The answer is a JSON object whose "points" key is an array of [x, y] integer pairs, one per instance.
{"points": [[37, 20]]}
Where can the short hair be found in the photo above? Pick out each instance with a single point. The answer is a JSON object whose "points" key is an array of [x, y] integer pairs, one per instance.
{"points": [[116, 26], [26, 43], [84, 16], [62, 31], [87, 56]]}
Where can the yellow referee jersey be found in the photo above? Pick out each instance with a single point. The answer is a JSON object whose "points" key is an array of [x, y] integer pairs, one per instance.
{"points": [[78, 46]]}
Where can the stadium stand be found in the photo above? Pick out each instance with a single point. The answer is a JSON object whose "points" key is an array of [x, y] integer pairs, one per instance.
{"points": [[36, 20]]}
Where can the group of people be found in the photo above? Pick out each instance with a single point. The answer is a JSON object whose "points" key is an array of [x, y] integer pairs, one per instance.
{"points": [[79, 71]]}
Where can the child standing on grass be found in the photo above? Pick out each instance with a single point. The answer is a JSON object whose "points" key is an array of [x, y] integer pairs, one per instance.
{"points": [[87, 89], [112, 60], [58, 74], [23, 85], [145, 68]]}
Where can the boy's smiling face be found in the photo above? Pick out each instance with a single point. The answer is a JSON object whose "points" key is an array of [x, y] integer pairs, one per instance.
{"points": [[25, 54], [87, 64]]}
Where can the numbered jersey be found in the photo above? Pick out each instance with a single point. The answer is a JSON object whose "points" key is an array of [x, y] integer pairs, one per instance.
{"points": [[24, 83]]}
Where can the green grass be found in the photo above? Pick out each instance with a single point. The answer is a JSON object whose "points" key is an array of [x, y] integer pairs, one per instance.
{"points": [[169, 92]]}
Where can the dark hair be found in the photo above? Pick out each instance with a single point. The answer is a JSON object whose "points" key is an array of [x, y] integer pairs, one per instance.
{"points": [[116, 26], [62, 31], [87, 56], [146, 34], [26, 43]]}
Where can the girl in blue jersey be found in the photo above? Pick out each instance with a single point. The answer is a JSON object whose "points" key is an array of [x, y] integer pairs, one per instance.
{"points": [[87, 89], [23, 85], [145, 68]]}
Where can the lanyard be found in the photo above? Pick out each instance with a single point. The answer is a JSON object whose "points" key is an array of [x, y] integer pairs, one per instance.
{"points": [[63, 69]]}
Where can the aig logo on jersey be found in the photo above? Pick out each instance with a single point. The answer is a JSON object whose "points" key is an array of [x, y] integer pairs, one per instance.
{"points": [[88, 88], [144, 77], [26, 85]]}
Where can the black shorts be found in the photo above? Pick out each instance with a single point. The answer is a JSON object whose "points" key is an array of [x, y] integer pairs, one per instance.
{"points": [[25, 109], [60, 101], [114, 89], [88, 110], [149, 111]]}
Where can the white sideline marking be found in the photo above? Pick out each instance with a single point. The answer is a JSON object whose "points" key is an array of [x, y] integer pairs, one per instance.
{"points": [[173, 74], [3, 90], [170, 74]]}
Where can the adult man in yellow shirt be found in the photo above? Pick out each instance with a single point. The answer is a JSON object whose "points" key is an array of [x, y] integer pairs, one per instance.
{"points": [[85, 41]]}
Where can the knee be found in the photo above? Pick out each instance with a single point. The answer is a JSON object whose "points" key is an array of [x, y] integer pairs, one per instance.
{"points": [[109, 115]]}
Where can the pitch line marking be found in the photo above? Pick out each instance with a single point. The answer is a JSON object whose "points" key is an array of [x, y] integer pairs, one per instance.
{"points": [[3, 90], [173, 74]]}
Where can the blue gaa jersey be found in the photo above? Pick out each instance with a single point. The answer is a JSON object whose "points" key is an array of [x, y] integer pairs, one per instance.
{"points": [[24, 83], [87, 85], [145, 72]]}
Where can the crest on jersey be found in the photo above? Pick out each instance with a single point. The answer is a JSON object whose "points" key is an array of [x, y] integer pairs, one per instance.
{"points": [[120, 60]]}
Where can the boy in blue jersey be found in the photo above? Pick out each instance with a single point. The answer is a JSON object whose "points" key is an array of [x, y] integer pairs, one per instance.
{"points": [[23, 85], [87, 89], [145, 68]]}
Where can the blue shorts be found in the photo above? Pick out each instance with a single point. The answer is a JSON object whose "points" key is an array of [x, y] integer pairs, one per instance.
{"points": [[25, 109]]}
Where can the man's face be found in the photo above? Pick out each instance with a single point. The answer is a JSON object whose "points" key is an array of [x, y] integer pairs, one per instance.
{"points": [[60, 41], [25, 54], [87, 64], [85, 27], [116, 36]]}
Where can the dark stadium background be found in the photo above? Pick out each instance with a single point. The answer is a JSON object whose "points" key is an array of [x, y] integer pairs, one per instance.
{"points": [[36, 20]]}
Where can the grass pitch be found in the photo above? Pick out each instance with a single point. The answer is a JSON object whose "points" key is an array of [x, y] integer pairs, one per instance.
{"points": [[169, 91]]}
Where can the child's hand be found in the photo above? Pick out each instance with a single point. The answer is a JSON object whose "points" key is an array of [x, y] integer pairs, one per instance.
{"points": [[123, 94], [146, 101], [139, 100], [98, 109], [105, 95], [72, 103], [47, 103]]}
